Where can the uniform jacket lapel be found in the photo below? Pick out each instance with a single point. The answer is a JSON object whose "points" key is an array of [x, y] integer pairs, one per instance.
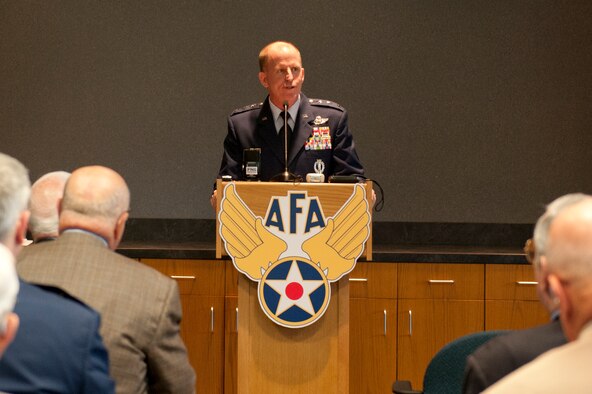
{"points": [[303, 128], [267, 132]]}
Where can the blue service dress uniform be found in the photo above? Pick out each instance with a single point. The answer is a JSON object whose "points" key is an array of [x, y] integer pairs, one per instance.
{"points": [[320, 133]]}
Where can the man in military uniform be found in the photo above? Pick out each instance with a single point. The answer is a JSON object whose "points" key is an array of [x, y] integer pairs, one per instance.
{"points": [[320, 127]]}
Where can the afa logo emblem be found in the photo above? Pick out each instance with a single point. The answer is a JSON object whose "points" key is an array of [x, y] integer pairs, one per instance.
{"points": [[294, 252]]}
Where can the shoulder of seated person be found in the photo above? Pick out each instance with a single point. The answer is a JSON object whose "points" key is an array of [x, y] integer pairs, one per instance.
{"points": [[62, 294]]}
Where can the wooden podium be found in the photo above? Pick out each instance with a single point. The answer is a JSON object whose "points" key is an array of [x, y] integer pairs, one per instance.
{"points": [[276, 359]]}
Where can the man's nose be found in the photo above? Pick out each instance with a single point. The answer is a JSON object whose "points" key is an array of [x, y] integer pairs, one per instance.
{"points": [[289, 75]]}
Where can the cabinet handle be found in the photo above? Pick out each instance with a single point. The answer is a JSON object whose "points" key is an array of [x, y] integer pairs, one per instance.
{"points": [[212, 319], [358, 279], [183, 277], [236, 310], [384, 322], [441, 281], [526, 282], [410, 323]]}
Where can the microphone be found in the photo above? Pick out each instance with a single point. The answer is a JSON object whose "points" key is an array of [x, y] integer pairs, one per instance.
{"points": [[285, 176]]}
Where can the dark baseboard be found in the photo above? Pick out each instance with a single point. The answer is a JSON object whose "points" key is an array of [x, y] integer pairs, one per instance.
{"points": [[384, 233]]}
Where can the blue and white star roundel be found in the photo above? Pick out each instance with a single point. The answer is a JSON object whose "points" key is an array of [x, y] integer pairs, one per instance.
{"points": [[294, 292]]}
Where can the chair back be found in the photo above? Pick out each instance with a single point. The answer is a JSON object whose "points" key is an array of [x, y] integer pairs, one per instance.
{"points": [[445, 372]]}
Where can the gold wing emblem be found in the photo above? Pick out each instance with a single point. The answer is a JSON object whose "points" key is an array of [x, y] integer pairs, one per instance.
{"points": [[251, 246], [337, 247]]}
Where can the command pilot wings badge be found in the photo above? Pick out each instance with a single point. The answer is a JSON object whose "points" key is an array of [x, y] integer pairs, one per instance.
{"points": [[294, 252]]}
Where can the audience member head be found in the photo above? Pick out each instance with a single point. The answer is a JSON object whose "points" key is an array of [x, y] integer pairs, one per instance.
{"points": [[540, 241], [568, 260], [96, 199], [9, 286], [46, 192], [15, 188], [281, 72]]}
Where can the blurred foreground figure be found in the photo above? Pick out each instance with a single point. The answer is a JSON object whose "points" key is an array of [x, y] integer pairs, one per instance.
{"points": [[140, 307]]}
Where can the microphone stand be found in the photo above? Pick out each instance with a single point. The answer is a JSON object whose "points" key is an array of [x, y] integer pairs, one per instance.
{"points": [[285, 176]]}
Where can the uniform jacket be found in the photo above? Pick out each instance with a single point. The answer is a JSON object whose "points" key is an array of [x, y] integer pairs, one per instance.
{"points": [[57, 349], [565, 369], [504, 354], [253, 127], [140, 308]]}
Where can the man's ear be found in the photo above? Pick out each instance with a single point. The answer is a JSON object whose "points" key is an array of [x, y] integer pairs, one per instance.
{"points": [[12, 324], [119, 229], [21, 230], [540, 268], [263, 79], [556, 290], [560, 296]]}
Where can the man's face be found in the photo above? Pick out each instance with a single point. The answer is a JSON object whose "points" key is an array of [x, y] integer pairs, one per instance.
{"points": [[283, 75]]}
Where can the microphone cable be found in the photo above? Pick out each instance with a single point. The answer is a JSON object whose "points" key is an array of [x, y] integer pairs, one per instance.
{"points": [[379, 202]]}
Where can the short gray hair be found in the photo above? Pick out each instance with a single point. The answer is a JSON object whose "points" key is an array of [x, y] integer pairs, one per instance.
{"points": [[45, 193], [541, 229], [9, 285], [571, 255], [15, 188]]}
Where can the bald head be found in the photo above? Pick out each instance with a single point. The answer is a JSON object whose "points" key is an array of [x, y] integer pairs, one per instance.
{"points": [[277, 47], [45, 195], [569, 244], [96, 199]]}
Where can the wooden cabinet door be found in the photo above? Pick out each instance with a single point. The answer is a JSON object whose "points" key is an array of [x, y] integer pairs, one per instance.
{"points": [[510, 282], [201, 288], [511, 300], [231, 346], [373, 280], [373, 325], [441, 281], [373, 341], [202, 330], [514, 314], [426, 325], [437, 304]]}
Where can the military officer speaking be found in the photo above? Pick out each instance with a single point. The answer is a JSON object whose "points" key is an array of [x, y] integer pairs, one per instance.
{"points": [[318, 134]]}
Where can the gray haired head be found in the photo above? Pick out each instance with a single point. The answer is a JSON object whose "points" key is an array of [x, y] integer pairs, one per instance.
{"points": [[15, 188]]}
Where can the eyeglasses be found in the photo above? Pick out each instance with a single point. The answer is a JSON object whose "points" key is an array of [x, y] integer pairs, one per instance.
{"points": [[529, 250]]}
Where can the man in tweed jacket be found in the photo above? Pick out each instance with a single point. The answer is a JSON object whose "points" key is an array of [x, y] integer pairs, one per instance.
{"points": [[140, 308]]}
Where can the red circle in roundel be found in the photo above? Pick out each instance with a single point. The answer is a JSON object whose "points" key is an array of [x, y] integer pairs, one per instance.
{"points": [[294, 291]]}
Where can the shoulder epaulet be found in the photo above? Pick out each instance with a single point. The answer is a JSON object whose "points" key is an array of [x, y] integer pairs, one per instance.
{"points": [[325, 103], [246, 108]]}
